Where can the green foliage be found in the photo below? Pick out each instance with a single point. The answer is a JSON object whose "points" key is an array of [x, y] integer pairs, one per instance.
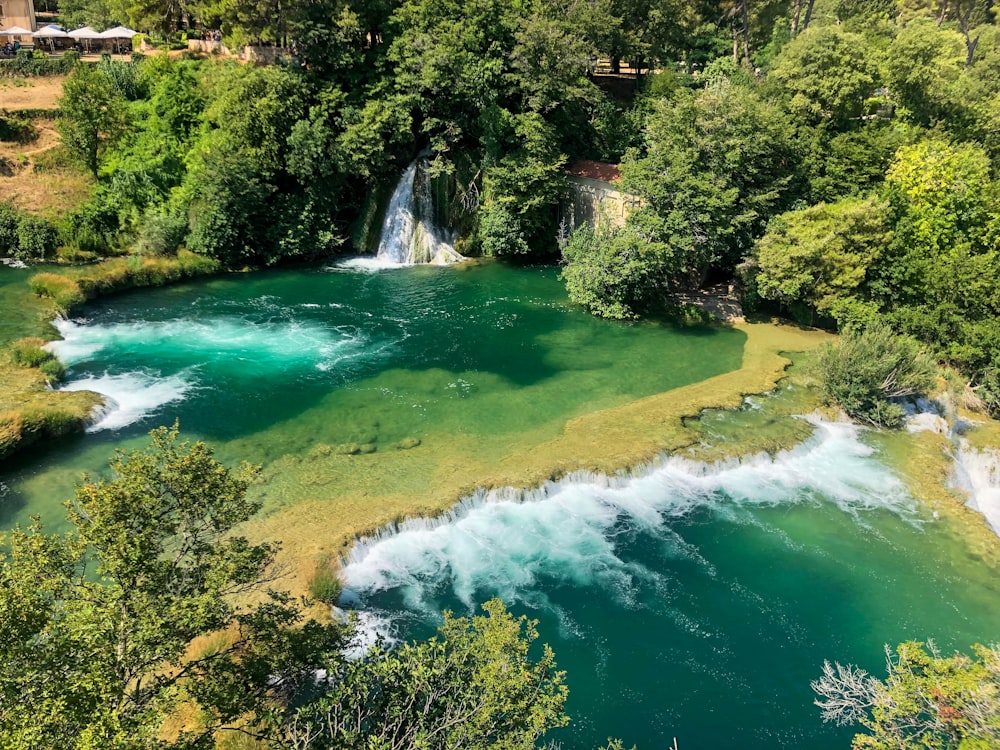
{"points": [[29, 352], [65, 292], [24, 236], [717, 166], [16, 129], [825, 73], [820, 255], [97, 623], [161, 232], [92, 115], [228, 215], [474, 686], [36, 63], [325, 585], [36, 238], [612, 272], [926, 700], [869, 369], [500, 233]]}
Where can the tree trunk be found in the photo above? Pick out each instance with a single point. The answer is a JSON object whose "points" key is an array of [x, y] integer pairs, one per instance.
{"points": [[616, 64], [796, 11], [944, 12], [809, 13], [970, 43], [746, 32]]}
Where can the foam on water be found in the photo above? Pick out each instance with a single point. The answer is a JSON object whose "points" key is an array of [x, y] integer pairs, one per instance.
{"points": [[261, 345], [367, 264], [131, 396], [506, 541]]}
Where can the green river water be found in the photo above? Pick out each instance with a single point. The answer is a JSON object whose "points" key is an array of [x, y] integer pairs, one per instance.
{"points": [[687, 600]]}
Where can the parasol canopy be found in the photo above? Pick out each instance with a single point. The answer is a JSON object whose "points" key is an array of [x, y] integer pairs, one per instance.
{"points": [[52, 31], [118, 32]]}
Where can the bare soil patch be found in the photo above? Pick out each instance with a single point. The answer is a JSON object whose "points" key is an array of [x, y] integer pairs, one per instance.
{"points": [[49, 188], [30, 93]]}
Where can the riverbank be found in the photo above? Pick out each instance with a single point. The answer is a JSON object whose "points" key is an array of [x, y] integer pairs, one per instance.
{"points": [[30, 410]]}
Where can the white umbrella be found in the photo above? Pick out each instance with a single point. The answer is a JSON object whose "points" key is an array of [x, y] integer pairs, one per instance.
{"points": [[15, 31], [51, 31], [86, 33], [118, 32]]}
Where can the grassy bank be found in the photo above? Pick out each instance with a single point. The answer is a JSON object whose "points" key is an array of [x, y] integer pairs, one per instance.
{"points": [[70, 288], [30, 411]]}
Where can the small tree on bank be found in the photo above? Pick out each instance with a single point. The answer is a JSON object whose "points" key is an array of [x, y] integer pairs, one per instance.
{"points": [[96, 625], [872, 367], [99, 629], [92, 115]]}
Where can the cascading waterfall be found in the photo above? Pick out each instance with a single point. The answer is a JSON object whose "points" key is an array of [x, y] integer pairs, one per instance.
{"points": [[410, 235], [978, 473]]}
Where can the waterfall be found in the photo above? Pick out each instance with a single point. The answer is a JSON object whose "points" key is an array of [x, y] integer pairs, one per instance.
{"points": [[410, 234], [978, 473]]}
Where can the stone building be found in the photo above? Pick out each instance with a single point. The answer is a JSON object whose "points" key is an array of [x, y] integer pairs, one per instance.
{"points": [[595, 196], [17, 13]]}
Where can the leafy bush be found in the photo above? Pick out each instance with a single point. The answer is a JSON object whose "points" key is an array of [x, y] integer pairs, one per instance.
{"points": [[29, 352], [871, 369], [36, 238], [612, 272], [24, 236], [501, 233], [16, 129], [10, 218], [65, 292], [325, 586], [161, 232], [36, 63]]}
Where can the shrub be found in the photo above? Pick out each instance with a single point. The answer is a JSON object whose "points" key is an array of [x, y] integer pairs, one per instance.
{"points": [[36, 238], [614, 273], [28, 352], [325, 586], [10, 218], [16, 129], [65, 292], [871, 369], [161, 232], [501, 233]]}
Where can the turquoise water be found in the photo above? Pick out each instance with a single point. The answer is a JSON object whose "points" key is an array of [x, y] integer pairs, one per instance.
{"points": [[275, 363], [690, 601], [696, 601]]}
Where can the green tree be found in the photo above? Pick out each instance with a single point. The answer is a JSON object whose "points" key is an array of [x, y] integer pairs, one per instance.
{"points": [[872, 367], [92, 115], [717, 166], [474, 686], [926, 702], [923, 66], [615, 273], [96, 625], [825, 73], [820, 255]]}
